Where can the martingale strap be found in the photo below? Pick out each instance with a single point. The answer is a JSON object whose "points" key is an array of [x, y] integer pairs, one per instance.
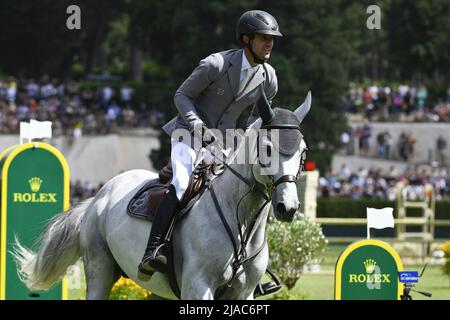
{"points": [[240, 256]]}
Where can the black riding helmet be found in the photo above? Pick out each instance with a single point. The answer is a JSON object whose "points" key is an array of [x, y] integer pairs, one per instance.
{"points": [[256, 22]]}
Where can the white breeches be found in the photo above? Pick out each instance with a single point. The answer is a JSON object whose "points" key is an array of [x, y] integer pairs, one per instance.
{"points": [[183, 160]]}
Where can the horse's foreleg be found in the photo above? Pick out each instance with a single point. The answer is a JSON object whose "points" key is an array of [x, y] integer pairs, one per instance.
{"points": [[194, 287]]}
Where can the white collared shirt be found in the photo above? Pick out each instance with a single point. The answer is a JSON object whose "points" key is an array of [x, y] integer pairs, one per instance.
{"points": [[246, 65]]}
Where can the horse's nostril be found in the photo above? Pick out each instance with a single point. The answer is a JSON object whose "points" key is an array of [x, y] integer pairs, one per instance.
{"points": [[281, 207], [292, 211]]}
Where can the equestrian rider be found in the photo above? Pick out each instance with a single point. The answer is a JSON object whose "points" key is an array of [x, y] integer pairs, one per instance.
{"points": [[219, 89]]}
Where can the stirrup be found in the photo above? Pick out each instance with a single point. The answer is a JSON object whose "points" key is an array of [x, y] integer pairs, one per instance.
{"points": [[269, 287], [153, 257]]}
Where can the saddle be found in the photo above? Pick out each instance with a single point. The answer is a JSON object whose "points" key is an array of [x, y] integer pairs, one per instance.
{"points": [[145, 203]]}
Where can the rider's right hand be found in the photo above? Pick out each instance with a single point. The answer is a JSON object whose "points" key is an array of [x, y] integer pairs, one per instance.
{"points": [[197, 127]]}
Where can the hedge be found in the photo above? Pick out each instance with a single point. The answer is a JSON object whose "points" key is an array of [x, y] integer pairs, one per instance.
{"points": [[349, 208]]}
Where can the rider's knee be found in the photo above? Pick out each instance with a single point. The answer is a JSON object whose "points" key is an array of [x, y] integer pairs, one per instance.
{"points": [[180, 188]]}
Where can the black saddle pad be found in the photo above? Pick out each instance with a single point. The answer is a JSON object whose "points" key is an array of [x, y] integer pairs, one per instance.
{"points": [[138, 205]]}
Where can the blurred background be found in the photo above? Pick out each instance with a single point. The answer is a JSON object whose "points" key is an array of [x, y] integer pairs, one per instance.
{"points": [[381, 98]]}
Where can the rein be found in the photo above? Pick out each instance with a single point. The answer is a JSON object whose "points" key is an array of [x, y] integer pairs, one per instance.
{"points": [[240, 251]]}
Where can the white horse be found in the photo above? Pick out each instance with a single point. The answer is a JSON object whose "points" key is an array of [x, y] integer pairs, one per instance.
{"points": [[110, 241]]}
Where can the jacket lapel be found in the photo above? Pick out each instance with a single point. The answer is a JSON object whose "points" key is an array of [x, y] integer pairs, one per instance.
{"points": [[234, 72], [256, 81]]}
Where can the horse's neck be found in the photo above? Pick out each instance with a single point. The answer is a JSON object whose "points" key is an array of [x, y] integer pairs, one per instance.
{"points": [[230, 189]]}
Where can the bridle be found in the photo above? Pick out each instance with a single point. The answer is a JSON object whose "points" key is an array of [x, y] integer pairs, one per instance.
{"points": [[287, 177], [240, 253]]}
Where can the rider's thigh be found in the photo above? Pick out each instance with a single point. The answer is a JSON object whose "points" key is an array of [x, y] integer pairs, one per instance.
{"points": [[183, 158]]}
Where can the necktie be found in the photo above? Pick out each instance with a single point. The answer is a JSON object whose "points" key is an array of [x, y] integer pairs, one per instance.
{"points": [[248, 75]]}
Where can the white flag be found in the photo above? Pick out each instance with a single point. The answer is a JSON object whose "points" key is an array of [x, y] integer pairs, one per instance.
{"points": [[35, 130], [41, 129], [380, 218], [25, 131]]}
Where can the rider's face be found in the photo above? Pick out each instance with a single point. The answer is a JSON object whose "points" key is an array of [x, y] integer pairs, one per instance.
{"points": [[262, 45]]}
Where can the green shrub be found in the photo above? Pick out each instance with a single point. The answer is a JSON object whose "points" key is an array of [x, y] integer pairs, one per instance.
{"points": [[285, 294], [445, 247], [127, 289], [349, 208], [292, 246]]}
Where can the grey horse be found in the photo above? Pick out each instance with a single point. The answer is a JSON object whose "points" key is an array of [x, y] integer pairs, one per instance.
{"points": [[110, 242]]}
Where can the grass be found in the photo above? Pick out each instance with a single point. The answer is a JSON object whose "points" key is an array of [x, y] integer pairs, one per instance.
{"points": [[320, 285]]}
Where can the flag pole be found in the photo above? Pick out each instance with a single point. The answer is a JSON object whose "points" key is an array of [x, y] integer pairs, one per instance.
{"points": [[368, 231]]}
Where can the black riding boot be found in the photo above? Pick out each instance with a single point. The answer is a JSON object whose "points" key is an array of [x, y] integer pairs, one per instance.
{"points": [[153, 260]]}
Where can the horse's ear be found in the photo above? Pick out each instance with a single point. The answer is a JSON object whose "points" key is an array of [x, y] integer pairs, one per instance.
{"points": [[303, 110]]}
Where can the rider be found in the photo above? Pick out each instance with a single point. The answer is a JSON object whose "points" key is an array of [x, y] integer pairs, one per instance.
{"points": [[222, 86]]}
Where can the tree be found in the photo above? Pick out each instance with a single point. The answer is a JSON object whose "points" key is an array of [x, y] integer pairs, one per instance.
{"points": [[418, 38]]}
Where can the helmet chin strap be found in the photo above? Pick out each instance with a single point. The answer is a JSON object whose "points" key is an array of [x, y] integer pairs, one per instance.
{"points": [[255, 57]]}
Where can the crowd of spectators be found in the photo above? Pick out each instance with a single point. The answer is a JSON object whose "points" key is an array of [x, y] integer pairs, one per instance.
{"points": [[402, 103], [80, 191], [375, 184], [73, 109], [358, 141], [363, 184]]}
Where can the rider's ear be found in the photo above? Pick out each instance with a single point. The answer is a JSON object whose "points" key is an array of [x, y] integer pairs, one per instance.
{"points": [[245, 39]]}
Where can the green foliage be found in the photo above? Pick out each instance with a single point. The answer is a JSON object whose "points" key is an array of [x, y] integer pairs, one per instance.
{"points": [[286, 294], [349, 208], [445, 247], [126, 289], [115, 46], [326, 45], [418, 37], [292, 246]]}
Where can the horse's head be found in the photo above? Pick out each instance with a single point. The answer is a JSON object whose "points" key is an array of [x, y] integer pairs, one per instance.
{"points": [[281, 153]]}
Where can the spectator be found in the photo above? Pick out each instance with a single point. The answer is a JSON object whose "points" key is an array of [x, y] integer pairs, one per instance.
{"points": [[388, 144], [106, 95], [421, 97], [403, 146], [126, 94], [441, 145], [448, 95], [381, 148], [11, 91], [346, 140], [365, 138]]}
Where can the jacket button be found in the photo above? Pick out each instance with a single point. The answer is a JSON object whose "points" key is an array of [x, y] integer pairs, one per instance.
{"points": [[221, 122]]}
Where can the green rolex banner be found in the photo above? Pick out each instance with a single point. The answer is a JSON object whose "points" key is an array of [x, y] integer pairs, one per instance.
{"points": [[34, 187], [368, 270]]}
